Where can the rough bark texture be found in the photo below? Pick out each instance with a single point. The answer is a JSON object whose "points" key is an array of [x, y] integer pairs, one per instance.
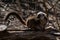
{"points": [[26, 8]]}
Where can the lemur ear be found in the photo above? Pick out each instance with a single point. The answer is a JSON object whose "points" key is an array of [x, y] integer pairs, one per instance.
{"points": [[41, 13]]}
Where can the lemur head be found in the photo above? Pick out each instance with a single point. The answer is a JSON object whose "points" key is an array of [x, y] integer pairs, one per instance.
{"points": [[41, 15]]}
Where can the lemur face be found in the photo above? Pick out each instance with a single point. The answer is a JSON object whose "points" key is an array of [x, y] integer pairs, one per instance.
{"points": [[41, 15]]}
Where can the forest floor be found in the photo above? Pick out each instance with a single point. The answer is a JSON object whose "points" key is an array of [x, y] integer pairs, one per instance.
{"points": [[27, 35]]}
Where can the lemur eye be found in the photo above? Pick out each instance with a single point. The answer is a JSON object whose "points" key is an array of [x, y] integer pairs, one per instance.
{"points": [[40, 15]]}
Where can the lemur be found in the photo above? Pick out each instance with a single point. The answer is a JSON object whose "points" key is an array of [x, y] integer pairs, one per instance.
{"points": [[36, 22]]}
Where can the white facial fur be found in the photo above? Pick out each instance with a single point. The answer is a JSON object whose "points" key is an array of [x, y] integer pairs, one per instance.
{"points": [[41, 13]]}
